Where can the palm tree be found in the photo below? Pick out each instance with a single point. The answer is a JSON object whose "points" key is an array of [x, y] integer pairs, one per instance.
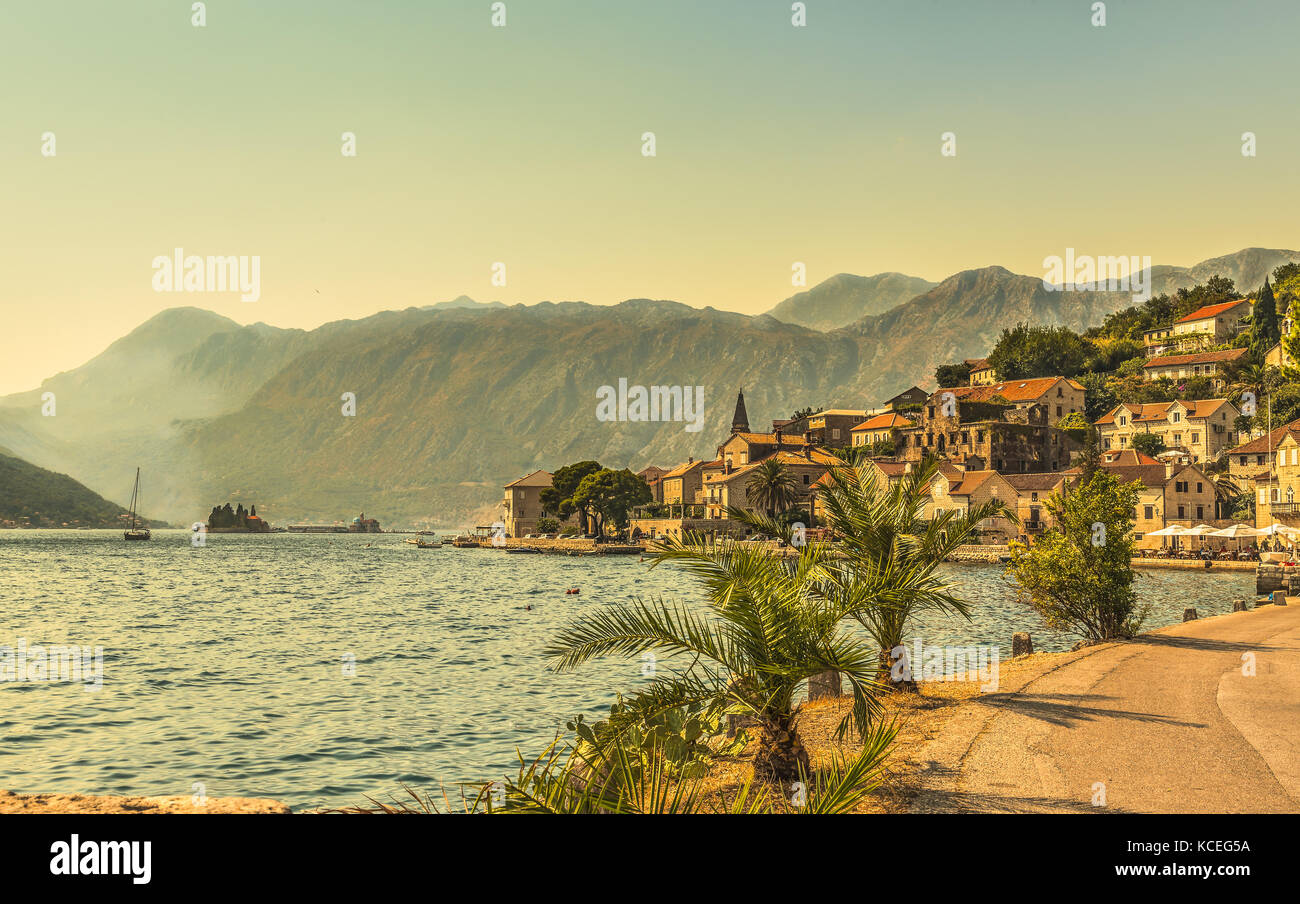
{"points": [[769, 628], [772, 487], [890, 548], [614, 780]]}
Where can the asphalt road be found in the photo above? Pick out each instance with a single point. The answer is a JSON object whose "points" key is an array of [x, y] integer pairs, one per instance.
{"points": [[1167, 723]]}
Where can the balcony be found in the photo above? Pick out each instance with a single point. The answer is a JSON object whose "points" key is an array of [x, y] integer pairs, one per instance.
{"points": [[1284, 508]]}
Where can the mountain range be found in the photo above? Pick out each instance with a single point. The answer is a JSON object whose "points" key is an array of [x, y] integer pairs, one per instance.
{"points": [[454, 400]]}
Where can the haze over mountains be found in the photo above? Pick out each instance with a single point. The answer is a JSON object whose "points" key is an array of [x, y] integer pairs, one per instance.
{"points": [[454, 400]]}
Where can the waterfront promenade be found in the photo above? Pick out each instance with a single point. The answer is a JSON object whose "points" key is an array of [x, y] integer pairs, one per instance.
{"points": [[1166, 723]]}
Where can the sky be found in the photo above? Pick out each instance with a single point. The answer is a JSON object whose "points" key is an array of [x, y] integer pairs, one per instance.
{"points": [[522, 145]]}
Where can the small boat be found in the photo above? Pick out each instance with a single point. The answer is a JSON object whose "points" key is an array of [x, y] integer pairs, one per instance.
{"points": [[522, 549], [136, 533], [422, 543]]}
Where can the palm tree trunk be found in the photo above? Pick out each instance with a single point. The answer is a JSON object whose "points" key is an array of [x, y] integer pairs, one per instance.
{"points": [[885, 675], [781, 754]]}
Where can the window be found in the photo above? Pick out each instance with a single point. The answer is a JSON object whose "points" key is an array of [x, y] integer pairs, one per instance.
{"points": [[1200, 512], [805, 480], [835, 433], [1148, 511], [1243, 460], [1199, 487], [1177, 416], [1196, 438], [1259, 459], [1182, 512], [1058, 410], [1034, 498]]}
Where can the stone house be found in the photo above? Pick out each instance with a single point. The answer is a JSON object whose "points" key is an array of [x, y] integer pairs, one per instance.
{"points": [[1202, 428], [981, 372], [523, 504], [1199, 364], [1002, 437], [1059, 396], [879, 429]]}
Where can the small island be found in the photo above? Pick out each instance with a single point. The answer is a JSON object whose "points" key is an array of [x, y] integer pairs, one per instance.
{"points": [[239, 520]]}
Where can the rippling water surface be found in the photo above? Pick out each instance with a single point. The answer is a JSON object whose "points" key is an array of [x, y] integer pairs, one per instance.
{"points": [[226, 665]]}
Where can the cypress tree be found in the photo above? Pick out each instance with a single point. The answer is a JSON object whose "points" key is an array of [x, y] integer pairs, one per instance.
{"points": [[1266, 332]]}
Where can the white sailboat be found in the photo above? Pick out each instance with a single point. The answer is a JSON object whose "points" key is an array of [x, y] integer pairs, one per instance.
{"points": [[141, 532]]}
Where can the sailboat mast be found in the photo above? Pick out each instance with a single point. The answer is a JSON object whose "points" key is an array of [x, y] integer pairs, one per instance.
{"points": [[134, 495]]}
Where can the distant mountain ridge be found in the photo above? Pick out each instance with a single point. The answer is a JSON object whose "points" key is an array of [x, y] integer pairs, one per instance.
{"points": [[453, 401], [845, 298]]}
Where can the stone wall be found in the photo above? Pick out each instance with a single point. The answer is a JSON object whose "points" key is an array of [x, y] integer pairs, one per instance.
{"points": [[1270, 577]]}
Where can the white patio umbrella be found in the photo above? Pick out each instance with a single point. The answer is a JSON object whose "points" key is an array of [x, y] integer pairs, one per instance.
{"points": [[1173, 530], [1274, 529], [1236, 532]]}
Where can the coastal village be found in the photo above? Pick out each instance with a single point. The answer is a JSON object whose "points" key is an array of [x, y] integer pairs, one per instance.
{"points": [[1200, 462]]}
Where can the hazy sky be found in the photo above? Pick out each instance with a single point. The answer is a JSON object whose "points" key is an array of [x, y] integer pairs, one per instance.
{"points": [[522, 145]]}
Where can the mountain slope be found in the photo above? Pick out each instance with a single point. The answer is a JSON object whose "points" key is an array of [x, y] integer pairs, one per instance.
{"points": [[963, 316], [34, 497], [845, 298]]}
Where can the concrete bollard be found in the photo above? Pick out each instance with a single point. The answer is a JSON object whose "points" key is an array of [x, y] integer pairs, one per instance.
{"points": [[1279, 599], [1238, 605], [1021, 644], [1189, 615]]}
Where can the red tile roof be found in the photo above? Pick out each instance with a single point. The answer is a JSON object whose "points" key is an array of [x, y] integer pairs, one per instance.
{"points": [[1158, 411], [535, 479], [1268, 442], [1209, 311], [769, 439], [882, 421], [1011, 390], [1226, 354]]}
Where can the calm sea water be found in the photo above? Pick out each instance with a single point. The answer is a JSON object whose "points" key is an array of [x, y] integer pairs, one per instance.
{"points": [[229, 665]]}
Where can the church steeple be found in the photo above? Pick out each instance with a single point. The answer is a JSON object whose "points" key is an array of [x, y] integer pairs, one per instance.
{"points": [[740, 420]]}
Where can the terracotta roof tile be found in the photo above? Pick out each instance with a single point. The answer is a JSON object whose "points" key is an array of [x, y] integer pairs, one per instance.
{"points": [[1224, 354], [1011, 390], [1209, 311]]}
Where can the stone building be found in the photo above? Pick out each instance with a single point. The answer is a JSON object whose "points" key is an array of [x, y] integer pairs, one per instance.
{"points": [[1200, 330], [1202, 428], [987, 435], [1200, 364], [523, 504], [879, 429], [981, 372], [1058, 395], [1254, 459]]}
